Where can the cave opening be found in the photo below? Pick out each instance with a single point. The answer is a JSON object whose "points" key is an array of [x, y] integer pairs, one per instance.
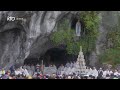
{"points": [[32, 61], [53, 56], [58, 56]]}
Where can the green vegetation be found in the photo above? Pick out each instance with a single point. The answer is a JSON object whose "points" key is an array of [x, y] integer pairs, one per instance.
{"points": [[66, 35], [114, 37], [91, 20], [112, 55]]}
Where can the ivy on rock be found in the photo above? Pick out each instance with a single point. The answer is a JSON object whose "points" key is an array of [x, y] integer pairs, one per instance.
{"points": [[112, 54]]}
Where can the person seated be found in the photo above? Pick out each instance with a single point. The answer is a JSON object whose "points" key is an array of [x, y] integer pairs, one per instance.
{"points": [[93, 77], [107, 76], [115, 77], [86, 77], [116, 73]]}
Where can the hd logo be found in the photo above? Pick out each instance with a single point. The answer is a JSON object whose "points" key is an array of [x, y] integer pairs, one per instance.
{"points": [[9, 18]]}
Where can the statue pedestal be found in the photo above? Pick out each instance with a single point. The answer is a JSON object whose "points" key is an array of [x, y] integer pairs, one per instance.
{"points": [[80, 63]]}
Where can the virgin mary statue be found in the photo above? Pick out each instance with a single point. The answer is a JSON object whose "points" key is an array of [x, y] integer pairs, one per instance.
{"points": [[78, 28]]}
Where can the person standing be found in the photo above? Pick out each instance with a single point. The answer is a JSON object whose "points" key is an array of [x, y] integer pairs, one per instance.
{"points": [[37, 68], [32, 67], [62, 69], [26, 72], [0, 72], [71, 64], [100, 73], [106, 72], [12, 69], [28, 67], [95, 73], [116, 73], [119, 74], [3, 71], [67, 64]]}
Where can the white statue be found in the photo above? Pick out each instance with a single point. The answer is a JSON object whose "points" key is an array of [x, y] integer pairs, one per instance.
{"points": [[78, 28]]}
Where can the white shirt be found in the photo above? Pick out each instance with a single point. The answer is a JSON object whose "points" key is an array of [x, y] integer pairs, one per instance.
{"points": [[73, 70], [65, 69], [89, 72], [16, 72], [79, 77], [21, 69], [105, 73], [110, 72], [95, 72], [68, 70], [69, 77], [62, 72], [26, 72], [71, 65], [116, 73], [74, 64], [107, 78], [19, 72]]}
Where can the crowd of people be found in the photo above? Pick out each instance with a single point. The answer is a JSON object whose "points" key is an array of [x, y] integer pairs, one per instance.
{"points": [[37, 72]]}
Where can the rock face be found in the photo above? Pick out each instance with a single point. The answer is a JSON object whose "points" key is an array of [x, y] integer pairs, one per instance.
{"points": [[109, 19], [29, 37]]}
